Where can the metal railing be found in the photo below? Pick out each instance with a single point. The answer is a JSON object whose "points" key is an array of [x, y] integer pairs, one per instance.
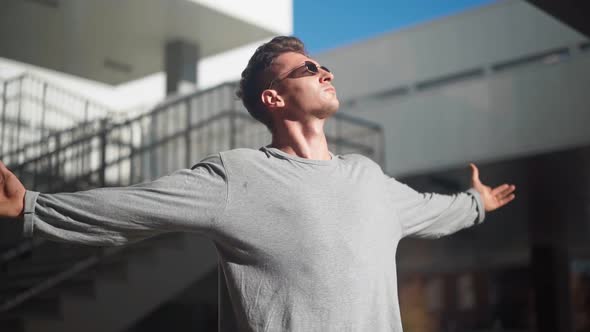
{"points": [[31, 109], [175, 134]]}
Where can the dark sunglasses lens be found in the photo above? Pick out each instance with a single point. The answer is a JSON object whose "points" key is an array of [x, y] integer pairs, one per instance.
{"points": [[312, 67]]}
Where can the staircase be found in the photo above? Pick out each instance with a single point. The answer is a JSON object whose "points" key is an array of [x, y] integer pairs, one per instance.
{"points": [[47, 286], [32, 108]]}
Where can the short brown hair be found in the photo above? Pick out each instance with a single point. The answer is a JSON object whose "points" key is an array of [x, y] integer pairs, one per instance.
{"points": [[254, 81]]}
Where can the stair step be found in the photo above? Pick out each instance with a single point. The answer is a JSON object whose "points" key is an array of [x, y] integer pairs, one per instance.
{"points": [[75, 287], [36, 307], [32, 270], [78, 288], [52, 251], [115, 270], [48, 266], [24, 283]]}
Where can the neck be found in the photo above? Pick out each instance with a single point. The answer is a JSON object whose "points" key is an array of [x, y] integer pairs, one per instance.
{"points": [[305, 140]]}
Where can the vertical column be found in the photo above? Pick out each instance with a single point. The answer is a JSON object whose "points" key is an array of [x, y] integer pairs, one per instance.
{"points": [[180, 64], [557, 192]]}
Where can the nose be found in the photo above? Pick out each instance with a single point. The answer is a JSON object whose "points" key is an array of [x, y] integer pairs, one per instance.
{"points": [[326, 76]]}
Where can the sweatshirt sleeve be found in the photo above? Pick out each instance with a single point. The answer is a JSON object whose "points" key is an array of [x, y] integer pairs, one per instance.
{"points": [[186, 200], [432, 215]]}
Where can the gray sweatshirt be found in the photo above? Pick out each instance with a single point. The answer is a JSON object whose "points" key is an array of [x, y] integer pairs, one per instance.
{"points": [[303, 245]]}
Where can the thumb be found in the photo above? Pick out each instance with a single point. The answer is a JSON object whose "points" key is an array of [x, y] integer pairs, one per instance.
{"points": [[3, 170], [474, 175]]}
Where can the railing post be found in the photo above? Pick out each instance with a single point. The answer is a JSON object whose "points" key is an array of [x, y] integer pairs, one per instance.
{"points": [[19, 115], [187, 135], [4, 105], [103, 152], [52, 160], [35, 173], [232, 128], [153, 164], [86, 149], [43, 109], [142, 153], [56, 168], [131, 155], [86, 105]]}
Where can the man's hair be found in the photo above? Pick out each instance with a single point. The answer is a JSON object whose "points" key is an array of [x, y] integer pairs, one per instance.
{"points": [[255, 77]]}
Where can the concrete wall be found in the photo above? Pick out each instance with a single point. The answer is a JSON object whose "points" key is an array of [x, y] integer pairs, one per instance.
{"points": [[523, 112]]}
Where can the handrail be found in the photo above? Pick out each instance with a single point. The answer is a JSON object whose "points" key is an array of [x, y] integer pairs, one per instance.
{"points": [[182, 98], [15, 78], [52, 85], [20, 249]]}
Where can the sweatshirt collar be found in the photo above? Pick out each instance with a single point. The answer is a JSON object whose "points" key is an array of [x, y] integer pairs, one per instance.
{"points": [[284, 155]]}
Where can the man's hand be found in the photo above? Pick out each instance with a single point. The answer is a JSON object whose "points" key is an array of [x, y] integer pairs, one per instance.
{"points": [[12, 194], [492, 198]]}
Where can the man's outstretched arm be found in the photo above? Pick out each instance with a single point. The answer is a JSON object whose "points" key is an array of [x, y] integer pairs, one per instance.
{"points": [[433, 215], [186, 200]]}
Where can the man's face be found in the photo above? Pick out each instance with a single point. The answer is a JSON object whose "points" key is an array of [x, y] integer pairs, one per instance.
{"points": [[305, 94]]}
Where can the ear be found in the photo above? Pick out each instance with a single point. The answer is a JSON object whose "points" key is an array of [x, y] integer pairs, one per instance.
{"points": [[272, 100]]}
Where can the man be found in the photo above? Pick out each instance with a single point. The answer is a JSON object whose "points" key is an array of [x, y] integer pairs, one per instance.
{"points": [[306, 239]]}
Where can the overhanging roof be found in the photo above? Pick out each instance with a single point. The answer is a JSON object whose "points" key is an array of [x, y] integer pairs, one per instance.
{"points": [[114, 41]]}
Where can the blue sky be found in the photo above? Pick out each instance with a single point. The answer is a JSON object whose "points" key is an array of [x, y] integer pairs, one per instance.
{"points": [[326, 24]]}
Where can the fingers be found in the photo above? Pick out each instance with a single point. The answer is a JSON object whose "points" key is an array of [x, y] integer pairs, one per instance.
{"points": [[504, 194], [503, 190], [506, 199], [475, 174]]}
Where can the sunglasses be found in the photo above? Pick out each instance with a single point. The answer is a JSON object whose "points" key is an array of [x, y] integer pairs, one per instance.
{"points": [[310, 68]]}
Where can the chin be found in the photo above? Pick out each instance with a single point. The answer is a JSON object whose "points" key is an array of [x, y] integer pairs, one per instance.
{"points": [[326, 108], [334, 106], [330, 105], [328, 111]]}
